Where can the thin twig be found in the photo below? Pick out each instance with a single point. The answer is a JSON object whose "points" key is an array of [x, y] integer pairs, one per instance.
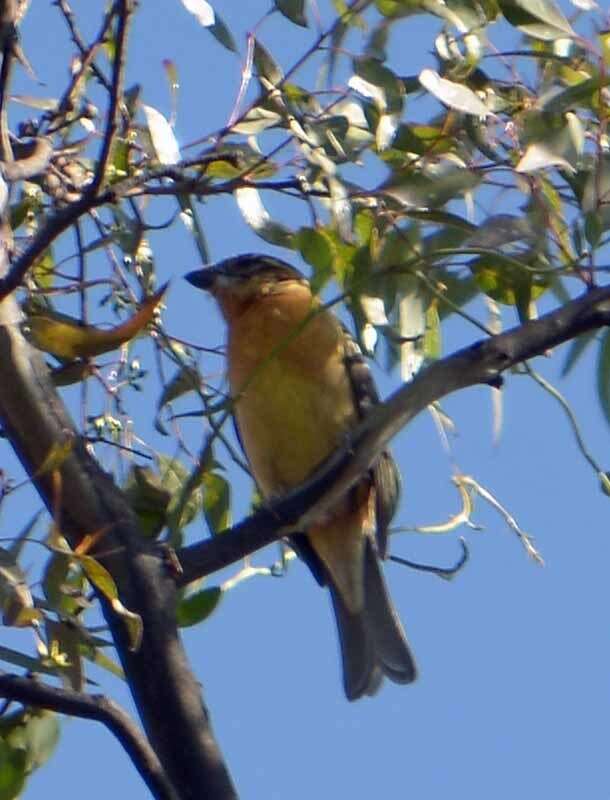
{"points": [[78, 40], [123, 11]]}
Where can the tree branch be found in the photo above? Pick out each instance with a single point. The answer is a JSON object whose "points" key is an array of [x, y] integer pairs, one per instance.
{"points": [[65, 217], [481, 363], [32, 159], [99, 709], [123, 10], [68, 15], [83, 499]]}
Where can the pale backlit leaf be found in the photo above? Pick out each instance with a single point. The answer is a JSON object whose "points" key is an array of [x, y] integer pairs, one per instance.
{"points": [[202, 11], [162, 135], [454, 95], [258, 218]]}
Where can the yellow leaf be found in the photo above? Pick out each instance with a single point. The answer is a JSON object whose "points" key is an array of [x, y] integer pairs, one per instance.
{"points": [[56, 456], [65, 337], [104, 583]]}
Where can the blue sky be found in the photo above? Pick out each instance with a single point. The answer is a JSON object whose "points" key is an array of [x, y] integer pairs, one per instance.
{"points": [[512, 699]]}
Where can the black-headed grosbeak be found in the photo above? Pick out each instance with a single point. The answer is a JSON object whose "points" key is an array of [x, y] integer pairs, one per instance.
{"points": [[299, 382]]}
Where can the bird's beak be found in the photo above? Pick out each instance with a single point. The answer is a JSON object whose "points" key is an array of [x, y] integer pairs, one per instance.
{"points": [[202, 278]]}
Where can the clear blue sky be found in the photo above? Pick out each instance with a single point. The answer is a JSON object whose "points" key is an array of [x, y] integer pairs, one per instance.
{"points": [[513, 696]]}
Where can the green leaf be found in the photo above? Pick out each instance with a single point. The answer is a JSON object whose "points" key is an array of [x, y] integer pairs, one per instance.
{"points": [[267, 67], [576, 349], [43, 269], [100, 659], [256, 121], [316, 248], [148, 497], [372, 80], [190, 220], [603, 375], [506, 282], [594, 227], [432, 186], [63, 641], [185, 380], [294, 10], [596, 200], [63, 585], [584, 93], [174, 476], [196, 607], [432, 338], [119, 159], [540, 19], [502, 229], [216, 502], [99, 576], [15, 596], [558, 147], [42, 735], [171, 73], [419, 139], [27, 740], [222, 34], [28, 207], [103, 581], [24, 534], [12, 770], [24, 661], [240, 160]]}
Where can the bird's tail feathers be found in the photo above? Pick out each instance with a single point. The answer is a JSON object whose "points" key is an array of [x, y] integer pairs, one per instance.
{"points": [[373, 642]]}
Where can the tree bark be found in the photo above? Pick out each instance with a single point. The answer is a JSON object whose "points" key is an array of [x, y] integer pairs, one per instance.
{"points": [[83, 499]]}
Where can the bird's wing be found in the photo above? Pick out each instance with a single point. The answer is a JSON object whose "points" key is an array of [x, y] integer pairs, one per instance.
{"points": [[386, 476]]}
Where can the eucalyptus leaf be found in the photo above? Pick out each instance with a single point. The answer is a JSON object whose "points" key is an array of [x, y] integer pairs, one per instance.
{"points": [[603, 375], [540, 19], [576, 349], [194, 608], [163, 138], [294, 10], [216, 502], [455, 95], [201, 10], [256, 215]]}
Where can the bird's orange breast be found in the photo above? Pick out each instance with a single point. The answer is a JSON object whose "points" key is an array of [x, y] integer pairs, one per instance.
{"points": [[293, 399]]}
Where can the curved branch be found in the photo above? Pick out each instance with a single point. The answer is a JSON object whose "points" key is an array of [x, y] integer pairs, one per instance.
{"points": [[481, 363], [100, 709], [32, 159], [83, 499]]}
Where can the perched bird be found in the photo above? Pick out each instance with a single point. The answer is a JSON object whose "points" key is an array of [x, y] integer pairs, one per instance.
{"points": [[299, 383]]}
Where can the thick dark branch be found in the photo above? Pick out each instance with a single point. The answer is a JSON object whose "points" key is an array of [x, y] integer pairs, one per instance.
{"points": [[100, 709], [481, 363], [84, 500], [55, 225], [8, 40]]}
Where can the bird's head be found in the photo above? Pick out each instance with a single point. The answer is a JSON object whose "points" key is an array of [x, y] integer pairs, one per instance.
{"points": [[236, 282]]}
